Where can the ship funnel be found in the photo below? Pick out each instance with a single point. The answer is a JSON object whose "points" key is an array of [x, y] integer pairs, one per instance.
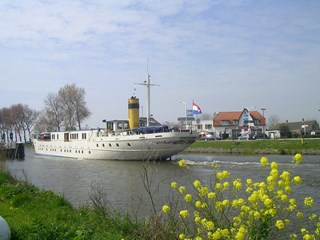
{"points": [[133, 112]]}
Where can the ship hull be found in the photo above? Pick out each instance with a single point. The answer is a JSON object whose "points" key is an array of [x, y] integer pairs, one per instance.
{"points": [[154, 146]]}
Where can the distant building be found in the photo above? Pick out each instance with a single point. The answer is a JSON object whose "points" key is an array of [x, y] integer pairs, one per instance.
{"points": [[302, 127], [233, 124], [230, 124]]}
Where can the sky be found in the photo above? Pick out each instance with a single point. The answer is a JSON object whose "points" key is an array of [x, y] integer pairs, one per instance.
{"points": [[222, 54]]}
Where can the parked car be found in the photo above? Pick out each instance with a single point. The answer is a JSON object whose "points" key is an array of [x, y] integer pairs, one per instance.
{"points": [[210, 136], [247, 136]]}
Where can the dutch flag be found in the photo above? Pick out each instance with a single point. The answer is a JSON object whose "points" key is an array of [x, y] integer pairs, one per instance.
{"points": [[196, 109]]}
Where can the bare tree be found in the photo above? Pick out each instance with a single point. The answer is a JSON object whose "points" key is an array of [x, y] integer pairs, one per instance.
{"points": [[54, 112], [74, 105], [273, 120], [6, 123], [29, 118]]}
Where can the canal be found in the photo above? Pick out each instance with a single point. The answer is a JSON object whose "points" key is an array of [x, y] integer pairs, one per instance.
{"points": [[122, 185]]}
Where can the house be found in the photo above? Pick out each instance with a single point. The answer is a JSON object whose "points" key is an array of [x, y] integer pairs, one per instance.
{"points": [[233, 124], [303, 127]]}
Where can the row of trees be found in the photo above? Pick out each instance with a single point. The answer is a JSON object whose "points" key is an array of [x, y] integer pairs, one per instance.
{"points": [[64, 110], [17, 122]]}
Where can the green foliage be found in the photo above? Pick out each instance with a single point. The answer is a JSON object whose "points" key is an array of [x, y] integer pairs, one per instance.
{"points": [[34, 214], [268, 146]]}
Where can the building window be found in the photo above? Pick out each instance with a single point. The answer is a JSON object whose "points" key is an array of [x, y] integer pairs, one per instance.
{"points": [[208, 126], [235, 122], [256, 122], [224, 122]]}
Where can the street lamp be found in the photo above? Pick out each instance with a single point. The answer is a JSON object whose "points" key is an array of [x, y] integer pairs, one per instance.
{"points": [[185, 111], [264, 128]]}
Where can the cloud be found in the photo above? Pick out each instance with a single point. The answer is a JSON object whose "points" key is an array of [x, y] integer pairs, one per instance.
{"points": [[199, 49]]}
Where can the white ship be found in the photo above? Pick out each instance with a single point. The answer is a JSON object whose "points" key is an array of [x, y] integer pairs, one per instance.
{"points": [[120, 140]]}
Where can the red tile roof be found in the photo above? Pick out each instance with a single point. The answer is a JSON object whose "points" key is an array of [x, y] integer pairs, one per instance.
{"points": [[235, 116]]}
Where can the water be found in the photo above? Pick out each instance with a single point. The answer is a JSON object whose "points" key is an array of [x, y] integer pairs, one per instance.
{"points": [[122, 181]]}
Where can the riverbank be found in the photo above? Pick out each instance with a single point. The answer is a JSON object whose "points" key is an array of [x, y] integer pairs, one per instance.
{"points": [[268, 146], [35, 214]]}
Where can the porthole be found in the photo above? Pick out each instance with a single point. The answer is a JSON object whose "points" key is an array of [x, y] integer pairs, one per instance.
{"points": [[129, 144], [110, 145], [97, 145], [89, 152], [102, 144], [117, 144]]}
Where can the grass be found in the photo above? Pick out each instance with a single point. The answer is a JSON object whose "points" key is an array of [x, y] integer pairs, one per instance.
{"points": [[35, 214], [281, 146]]}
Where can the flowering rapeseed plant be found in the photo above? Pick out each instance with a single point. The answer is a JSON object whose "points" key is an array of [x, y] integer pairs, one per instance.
{"points": [[236, 209]]}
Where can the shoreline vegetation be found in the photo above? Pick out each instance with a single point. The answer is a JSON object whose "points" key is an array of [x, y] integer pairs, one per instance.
{"points": [[308, 146], [38, 214]]}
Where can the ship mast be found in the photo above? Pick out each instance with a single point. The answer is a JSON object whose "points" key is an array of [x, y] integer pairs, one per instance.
{"points": [[148, 85]]}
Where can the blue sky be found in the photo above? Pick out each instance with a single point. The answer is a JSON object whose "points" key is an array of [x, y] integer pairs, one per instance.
{"points": [[223, 54]]}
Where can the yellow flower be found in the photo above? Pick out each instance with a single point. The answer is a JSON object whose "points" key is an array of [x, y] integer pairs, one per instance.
{"points": [[188, 197], [256, 215], [209, 225], [264, 161], [249, 181], [313, 216], [285, 176], [198, 204], [204, 191], [300, 214], [218, 186], [274, 173], [196, 183], [166, 209], [182, 189], [222, 175], [274, 165], [182, 236], [184, 213], [237, 184], [280, 224], [297, 180], [308, 201], [225, 203], [293, 236], [297, 158], [226, 185], [174, 185], [182, 163], [268, 202], [211, 195]]}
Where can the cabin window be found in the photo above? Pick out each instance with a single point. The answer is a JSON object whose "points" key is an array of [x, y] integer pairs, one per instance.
{"points": [[84, 135]]}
